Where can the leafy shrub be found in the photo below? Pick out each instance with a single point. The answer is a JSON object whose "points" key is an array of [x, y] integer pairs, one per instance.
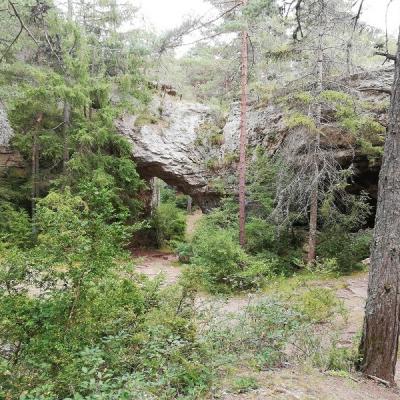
{"points": [[319, 305], [341, 358], [218, 254], [15, 227], [348, 249], [255, 274], [184, 251], [169, 223], [260, 235], [181, 201], [76, 323], [258, 336], [244, 384], [223, 264]]}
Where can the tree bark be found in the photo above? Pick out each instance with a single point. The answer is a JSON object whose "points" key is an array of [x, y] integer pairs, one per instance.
{"points": [[35, 169], [67, 121], [243, 137], [379, 343]]}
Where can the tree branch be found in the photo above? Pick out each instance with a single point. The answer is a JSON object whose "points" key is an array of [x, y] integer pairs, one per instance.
{"points": [[357, 17], [22, 28], [387, 55]]}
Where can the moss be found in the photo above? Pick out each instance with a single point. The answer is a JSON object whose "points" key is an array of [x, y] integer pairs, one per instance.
{"points": [[335, 98], [230, 158], [213, 164], [297, 120], [217, 139], [298, 98], [145, 118]]}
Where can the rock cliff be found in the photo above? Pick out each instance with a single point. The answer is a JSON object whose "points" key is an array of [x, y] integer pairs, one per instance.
{"points": [[8, 157], [172, 147]]}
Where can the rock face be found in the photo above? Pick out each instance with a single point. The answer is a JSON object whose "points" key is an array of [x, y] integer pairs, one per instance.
{"points": [[171, 148], [5, 128], [8, 157]]}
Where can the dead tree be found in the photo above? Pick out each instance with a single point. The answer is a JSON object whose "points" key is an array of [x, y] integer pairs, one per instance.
{"points": [[379, 343]]}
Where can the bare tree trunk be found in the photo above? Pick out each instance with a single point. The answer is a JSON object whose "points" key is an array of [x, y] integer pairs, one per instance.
{"points": [[189, 205], [155, 194], [243, 138], [67, 121], [67, 106], [312, 238], [35, 169], [70, 10], [379, 343]]}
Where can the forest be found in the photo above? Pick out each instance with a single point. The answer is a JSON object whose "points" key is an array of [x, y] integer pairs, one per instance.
{"points": [[206, 212]]}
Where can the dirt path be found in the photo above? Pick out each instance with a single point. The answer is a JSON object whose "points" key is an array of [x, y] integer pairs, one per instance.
{"points": [[292, 383], [154, 262], [191, 222]]}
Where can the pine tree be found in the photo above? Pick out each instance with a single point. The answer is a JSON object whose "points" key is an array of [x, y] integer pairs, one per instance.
{"points": [[379, 343]]}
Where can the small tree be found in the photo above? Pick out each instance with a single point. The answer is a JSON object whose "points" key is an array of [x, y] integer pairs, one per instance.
{"points": [[310, 168]]}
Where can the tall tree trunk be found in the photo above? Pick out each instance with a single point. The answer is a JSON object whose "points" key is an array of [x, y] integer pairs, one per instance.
{"points": [[243, 137], [312, 238], [67, 121], [379, 343], [70, 10], [67, 107], [35, 169]]}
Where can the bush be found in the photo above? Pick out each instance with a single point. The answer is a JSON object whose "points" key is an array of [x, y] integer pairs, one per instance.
{"points": [[184, 251], [260, 235], [74, 323], [348, 249], [15, 226], [244, 384], [218, 254], [169, 223], [319, 305], [223, 264]]}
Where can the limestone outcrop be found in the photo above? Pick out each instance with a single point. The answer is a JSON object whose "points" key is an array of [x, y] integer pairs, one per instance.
{"points": [[8, 157], [172, 147]]}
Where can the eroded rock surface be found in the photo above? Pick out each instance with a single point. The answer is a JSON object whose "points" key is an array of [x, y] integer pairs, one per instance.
{"points": [[171, 148], [8, 157]]}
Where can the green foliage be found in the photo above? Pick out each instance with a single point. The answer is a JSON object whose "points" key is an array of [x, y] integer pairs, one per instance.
{"points": [[297, 99], [146, 118], [219, 254], [341, 358], [319, 305], [347, 249], [244, 384], [260, 235], [298, 120], [169, 223], [77, 323], [223, 265], [15, 227], [169, 195], [184, 251], [336, 98]]}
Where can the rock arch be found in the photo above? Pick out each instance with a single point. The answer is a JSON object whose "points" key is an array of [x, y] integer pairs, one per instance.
{"points": [[169, 149]]}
